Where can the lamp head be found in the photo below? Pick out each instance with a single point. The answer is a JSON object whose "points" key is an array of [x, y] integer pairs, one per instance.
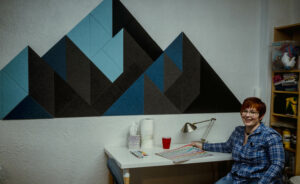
{"points": [[188, 127]]}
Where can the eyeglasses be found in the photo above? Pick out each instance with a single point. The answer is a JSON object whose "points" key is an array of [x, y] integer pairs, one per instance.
{"points": [[251, 113]]}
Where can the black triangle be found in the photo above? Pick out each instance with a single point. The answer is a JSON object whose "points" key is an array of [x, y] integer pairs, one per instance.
{"points": [[83, 75], [214, 95], [155, 102], [68, 103], [52, 92], [41, 82], [122, 18]]}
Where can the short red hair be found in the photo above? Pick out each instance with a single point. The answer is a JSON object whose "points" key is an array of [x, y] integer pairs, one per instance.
{"points": [[256, 103]]}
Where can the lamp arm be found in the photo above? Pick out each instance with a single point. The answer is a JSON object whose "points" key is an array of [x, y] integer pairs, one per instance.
{"points": [[206, 132], [212, 119]]}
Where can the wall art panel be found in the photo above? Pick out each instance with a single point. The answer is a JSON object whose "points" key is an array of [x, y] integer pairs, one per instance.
{"points": [[109, 65]]}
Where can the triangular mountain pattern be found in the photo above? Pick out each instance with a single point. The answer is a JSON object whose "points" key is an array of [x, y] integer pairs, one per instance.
{"points": [[109, 65]]}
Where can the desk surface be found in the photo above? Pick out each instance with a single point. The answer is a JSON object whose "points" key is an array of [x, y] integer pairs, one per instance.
{"points": [[126, 160]]}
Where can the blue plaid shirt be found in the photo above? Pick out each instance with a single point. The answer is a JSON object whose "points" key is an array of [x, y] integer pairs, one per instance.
{"points": [[261, 160]]}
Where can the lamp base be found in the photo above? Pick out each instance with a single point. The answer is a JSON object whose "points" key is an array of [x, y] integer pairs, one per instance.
{"points": [[202, 140]]}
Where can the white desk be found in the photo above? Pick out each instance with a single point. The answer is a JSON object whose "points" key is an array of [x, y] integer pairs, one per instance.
{"points": [[126, 160]]}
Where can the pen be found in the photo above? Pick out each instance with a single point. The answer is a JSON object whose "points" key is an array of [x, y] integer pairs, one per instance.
{"points": [[137, 154]]}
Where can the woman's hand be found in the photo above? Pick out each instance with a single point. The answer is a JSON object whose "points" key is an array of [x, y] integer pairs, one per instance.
{"points": [[197, 144]]}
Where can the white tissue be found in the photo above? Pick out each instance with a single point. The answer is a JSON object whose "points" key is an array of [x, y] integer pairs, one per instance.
{"points": [[147, 130]]}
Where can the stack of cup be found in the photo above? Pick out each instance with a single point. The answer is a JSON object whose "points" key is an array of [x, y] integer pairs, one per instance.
{"points": [[134, 139], [147, 129]]}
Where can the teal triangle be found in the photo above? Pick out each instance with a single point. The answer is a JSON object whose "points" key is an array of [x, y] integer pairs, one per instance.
{"points": [[131, 102], [114, 49], [175, 51], [12, 94], [106, 65], [56, 58], [80, 35], [28, 109], [17, 69], [99, 36], [156, 72], [103, 13], [1, 95]]}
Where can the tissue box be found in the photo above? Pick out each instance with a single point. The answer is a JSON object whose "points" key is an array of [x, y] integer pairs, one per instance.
{"points": [[134, 142]]}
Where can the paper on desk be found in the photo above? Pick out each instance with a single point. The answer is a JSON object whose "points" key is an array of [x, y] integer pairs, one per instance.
{"points": [[183, 153]]}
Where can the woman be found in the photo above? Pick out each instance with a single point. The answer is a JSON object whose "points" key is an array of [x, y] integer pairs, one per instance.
{"points": [[257, 150]]}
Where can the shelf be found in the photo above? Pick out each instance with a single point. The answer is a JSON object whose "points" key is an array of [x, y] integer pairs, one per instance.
{"points": [[288, 27], [287, 34], [286, 71], [283, 125], [285, 115], [286, 92], [290, 149]]}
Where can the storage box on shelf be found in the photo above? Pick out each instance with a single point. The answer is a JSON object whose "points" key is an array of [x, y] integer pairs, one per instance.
{"points": [[285, 91]]}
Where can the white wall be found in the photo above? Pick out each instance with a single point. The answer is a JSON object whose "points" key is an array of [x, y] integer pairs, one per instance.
{"points": [[70, 150], [228, 33]]}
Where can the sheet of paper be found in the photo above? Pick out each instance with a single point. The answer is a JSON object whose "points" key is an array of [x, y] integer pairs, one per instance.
{"points": [[183, 153]]}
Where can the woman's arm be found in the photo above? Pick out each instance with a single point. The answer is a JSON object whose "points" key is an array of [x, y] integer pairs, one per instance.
{"points": [[224, 147], [276, 156]]}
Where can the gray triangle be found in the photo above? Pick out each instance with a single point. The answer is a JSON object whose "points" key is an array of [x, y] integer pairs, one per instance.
{"points": [[154, 101], [78, 68], [183, 90], [191, 72], [171, 72], [134, 54]]}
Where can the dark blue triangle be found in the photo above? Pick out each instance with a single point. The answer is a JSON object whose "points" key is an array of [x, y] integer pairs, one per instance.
{"points": [[156, 73], [175, 51], [28, 109], [131, 102], [56, 58]]}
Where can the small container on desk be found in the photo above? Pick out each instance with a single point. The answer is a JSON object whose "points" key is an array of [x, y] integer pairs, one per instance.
{"points": [[134, 142]]}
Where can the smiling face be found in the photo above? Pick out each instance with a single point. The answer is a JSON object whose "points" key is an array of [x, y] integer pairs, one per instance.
{"points": [[250, 117], [252, 112]]}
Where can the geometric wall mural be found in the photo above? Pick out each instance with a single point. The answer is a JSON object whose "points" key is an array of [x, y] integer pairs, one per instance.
{"points": [[109, 65]]}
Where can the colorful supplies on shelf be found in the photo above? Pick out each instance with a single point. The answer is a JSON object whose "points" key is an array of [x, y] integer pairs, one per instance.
{"points": [[285, 104], [286, 138], [291, 105], [286, 81]]}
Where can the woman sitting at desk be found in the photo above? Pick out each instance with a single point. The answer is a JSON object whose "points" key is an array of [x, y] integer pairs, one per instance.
{"points": [[257, 150]]}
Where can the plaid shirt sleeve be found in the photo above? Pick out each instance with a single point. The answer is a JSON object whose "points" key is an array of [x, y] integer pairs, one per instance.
{"points": [[225, 147], [276, 154]]}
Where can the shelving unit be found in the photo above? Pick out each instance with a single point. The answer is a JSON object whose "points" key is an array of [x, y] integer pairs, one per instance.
{"points": [[282, 121]]}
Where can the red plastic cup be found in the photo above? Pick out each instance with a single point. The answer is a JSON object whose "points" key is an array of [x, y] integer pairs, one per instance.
{"points": [[166, 142]]}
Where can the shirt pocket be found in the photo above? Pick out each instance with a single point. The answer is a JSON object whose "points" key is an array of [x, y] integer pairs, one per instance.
{"points": [[254, 153]]}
